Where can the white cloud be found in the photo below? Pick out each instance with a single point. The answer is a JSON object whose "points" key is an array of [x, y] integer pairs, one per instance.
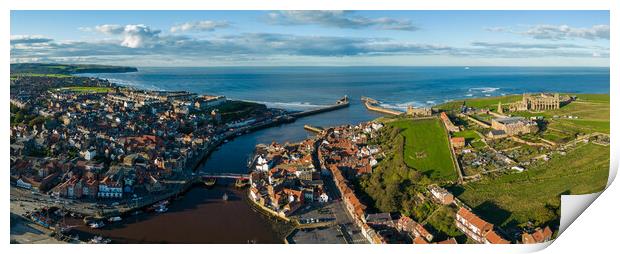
{"points": [[137, 36], [199, 26], [566, 32], [28, 39], [109, 29], [559, 32], [134, 36], [340, 19], [496, 29]]}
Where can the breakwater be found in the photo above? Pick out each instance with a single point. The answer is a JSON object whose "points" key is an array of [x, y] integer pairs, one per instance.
{"points": [[371, 104], [311, 128], [342, 103]]}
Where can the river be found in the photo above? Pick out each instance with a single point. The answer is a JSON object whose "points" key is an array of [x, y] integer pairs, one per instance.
{"points": [[201, 216]]}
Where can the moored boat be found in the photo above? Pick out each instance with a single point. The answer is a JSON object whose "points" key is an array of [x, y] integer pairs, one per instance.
{"points": [[210, 181], [240, 183], [99, 240], [161, 209], [115, 218], [96, 224]]}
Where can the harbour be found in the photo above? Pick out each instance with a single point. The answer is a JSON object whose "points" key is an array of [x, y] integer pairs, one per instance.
{"points": [[218, 189]]}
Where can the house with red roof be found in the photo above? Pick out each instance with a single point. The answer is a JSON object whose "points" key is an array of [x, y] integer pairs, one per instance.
{"points": [[476, 228], [538, 236]]}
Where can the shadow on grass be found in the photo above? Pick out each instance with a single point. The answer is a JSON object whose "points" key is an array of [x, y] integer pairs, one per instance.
{"points": [[491, 212]]}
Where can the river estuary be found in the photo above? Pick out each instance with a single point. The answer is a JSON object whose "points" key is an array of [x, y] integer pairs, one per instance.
{"points": [[201, 216]]}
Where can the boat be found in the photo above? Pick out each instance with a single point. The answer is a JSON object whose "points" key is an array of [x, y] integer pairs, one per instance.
{"points": [[210, 181], [40, 219], [161, 209], [96, 224], [225, 197], [115, 218], [158, 205], [240, 183], [99, 240]]}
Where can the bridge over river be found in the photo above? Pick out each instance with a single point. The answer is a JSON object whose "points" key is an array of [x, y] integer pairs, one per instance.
{"points": [[224, 175]]}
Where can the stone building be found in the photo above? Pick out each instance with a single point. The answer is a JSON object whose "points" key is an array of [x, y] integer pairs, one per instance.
{"points": [[537, 102], [514, 125], [418, 112], [446, 121]]}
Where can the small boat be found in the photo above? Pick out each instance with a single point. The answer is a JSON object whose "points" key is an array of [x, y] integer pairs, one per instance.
{"points": [[210, 182], [99, 240], [161, 209], [240, 183], [97, 224], [158, 205], [225, 197], [114, 219]]}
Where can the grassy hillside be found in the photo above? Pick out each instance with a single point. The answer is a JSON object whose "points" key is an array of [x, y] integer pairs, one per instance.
{"points": [[534, 195], [42, 68], [591, 112], [87, 89], [427, 148]]}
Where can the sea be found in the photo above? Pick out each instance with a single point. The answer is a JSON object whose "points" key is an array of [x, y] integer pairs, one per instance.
{"points": [[204, 219]]}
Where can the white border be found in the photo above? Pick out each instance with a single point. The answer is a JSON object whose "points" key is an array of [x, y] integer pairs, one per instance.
{"points": [[595, 230]]}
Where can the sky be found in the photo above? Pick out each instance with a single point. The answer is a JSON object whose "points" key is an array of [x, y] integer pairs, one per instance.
{"points": [[312, 38]]}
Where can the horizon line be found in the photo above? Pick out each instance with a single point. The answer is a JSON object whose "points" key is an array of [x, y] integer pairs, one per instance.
{"points": [[341, 66]]}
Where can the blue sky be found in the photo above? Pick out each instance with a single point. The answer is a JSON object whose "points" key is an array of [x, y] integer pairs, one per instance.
{"points": [[285, 38]]}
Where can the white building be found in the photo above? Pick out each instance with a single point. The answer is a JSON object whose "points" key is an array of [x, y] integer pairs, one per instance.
{"points": [[106, 191], [323, 198], [89, 154], [20, 183]]}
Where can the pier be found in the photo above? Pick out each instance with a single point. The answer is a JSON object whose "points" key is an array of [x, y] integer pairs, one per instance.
{"points": [[342, 103], [315, 129], [371, 104]]}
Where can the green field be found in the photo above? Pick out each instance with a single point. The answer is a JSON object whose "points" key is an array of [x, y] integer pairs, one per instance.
{"points": [[426, 148], [13, 76], [235, 110], [488, 102], [534, 195], [471, 137], [50, 68], [87, 89]]}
